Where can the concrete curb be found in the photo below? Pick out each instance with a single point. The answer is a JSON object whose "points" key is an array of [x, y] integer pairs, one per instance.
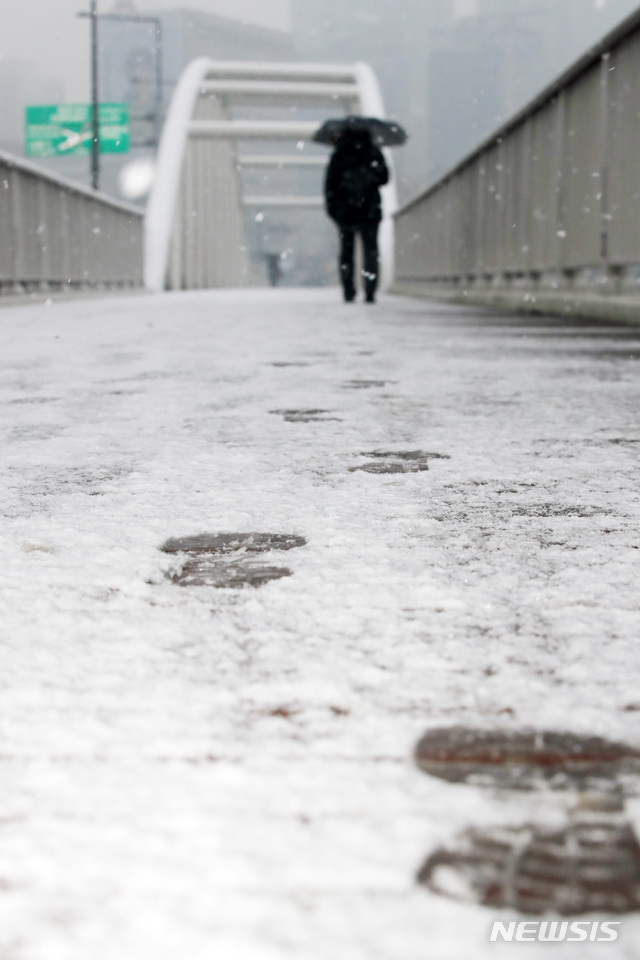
{"points": [[610, 308]]}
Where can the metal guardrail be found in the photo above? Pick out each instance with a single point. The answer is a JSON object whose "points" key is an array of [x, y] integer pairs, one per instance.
{"points": [[550, 201], [57, 235]]}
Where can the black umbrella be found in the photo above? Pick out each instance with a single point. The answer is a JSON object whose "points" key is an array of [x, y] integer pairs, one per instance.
{"points": [[384, 133]]}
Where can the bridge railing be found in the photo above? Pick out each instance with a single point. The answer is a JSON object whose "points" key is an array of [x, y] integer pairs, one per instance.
{"points": [[58, 235], [549, 202]]}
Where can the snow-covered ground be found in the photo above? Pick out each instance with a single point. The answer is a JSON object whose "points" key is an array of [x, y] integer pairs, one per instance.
{"points": [[195, 773]]}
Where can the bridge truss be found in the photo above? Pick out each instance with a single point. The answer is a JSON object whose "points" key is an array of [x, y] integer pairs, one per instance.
{"points": [[194, 232]]}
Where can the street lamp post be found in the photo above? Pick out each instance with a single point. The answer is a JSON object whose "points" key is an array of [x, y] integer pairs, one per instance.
{"points": [[95, 109], [95, 119]]}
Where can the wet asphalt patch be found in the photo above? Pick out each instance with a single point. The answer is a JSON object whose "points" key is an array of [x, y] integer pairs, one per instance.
{"points": [[399, 461], [224, 543], [590, 864], [288, 363], [21, 401], [555, 510], [524, 760], [305, 416], [227, 560], [366, 384], [203, 572]]}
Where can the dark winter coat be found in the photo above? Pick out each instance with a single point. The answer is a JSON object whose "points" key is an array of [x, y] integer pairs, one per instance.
{"points": [[356, 172]]}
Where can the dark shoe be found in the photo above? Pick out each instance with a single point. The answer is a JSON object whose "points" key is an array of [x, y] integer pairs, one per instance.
{"points": [[349, 296], [371, 298]]}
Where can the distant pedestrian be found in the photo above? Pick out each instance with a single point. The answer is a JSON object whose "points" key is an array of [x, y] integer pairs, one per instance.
{"points": [[355, 174], [274, 269]]}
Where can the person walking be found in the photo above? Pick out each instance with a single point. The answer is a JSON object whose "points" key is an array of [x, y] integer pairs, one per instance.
{"points": [[354, 176]]}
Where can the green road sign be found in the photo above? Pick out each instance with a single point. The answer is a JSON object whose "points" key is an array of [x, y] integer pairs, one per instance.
{"points": [[58, 130]]}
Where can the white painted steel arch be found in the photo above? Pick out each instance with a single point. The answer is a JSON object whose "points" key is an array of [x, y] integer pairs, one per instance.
{"points": [[194, 221]]}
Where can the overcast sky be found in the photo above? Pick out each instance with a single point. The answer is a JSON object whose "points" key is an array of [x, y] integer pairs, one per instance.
{"points": [[49, 32]]}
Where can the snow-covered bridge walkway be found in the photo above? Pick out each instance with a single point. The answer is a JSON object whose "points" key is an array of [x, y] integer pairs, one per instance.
{"points": [[195, 772]]}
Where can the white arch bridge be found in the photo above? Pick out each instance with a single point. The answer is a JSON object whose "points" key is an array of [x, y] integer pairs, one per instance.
{"points": [[196, 213]]}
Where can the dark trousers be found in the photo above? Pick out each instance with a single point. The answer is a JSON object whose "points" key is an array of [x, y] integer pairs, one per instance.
{"points": [[369, 235]]}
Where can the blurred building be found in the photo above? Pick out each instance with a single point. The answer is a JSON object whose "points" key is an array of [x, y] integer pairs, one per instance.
{"points": [[140, 62], [495, 55], [481, 67], [451, 70]]}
